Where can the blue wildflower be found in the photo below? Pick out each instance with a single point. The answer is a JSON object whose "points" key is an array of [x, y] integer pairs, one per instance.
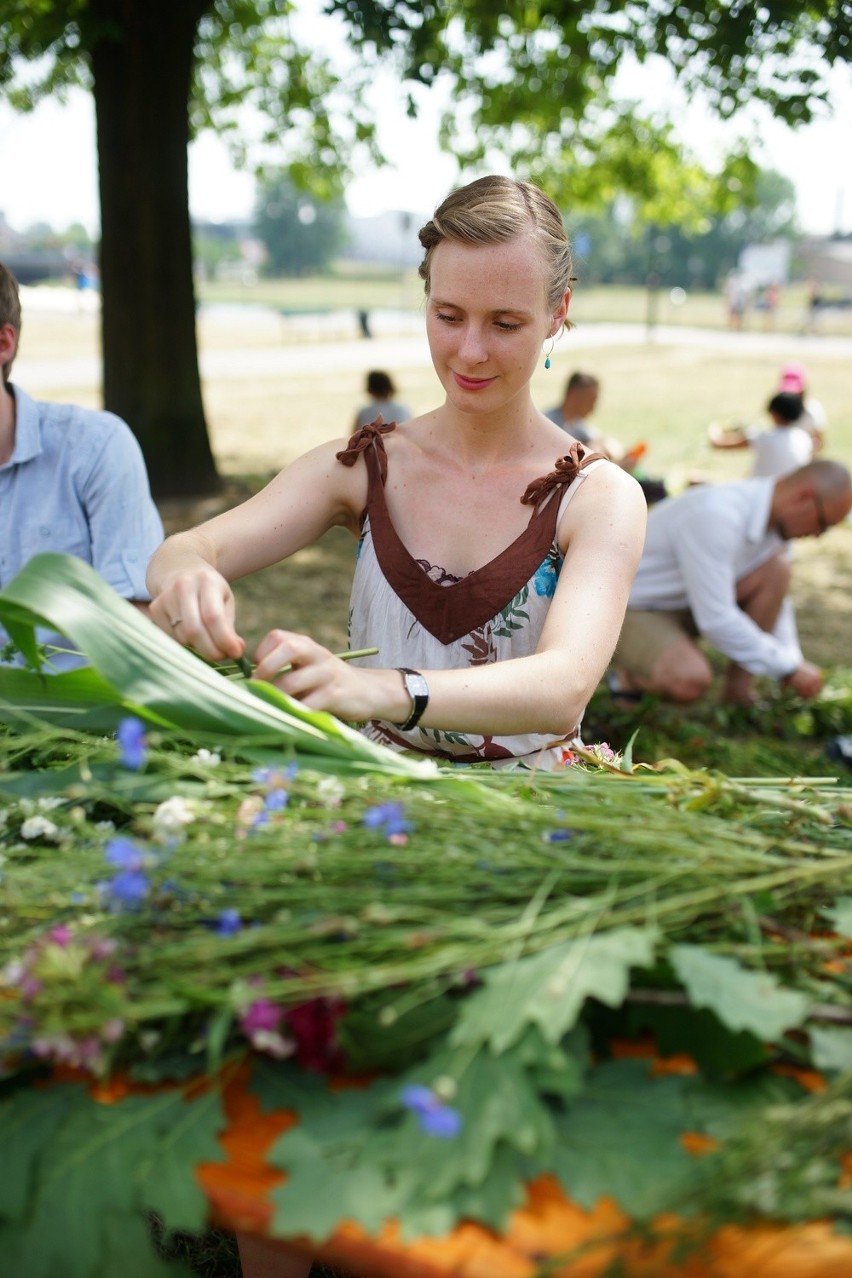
{"points": [[275, 777], [124, 854], [276, 800], [127, 890], [435, 1118], [133, 743], [228, 923], [387, 817]]}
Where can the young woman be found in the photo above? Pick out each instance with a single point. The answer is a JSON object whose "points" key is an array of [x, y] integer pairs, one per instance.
{"points": [[493, 566]]}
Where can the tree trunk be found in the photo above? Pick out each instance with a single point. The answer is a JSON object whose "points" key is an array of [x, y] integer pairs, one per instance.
{"points": [[142, 70]]}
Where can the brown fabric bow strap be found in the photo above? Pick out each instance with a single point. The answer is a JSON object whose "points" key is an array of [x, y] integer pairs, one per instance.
{"points": [[566, 470], [363, 439]]}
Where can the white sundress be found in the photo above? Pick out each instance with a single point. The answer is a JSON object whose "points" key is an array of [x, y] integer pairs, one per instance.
{"points": [[422, 617]]}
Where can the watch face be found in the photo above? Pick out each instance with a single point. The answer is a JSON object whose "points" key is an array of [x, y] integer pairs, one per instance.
{"points": [[416, 686]]}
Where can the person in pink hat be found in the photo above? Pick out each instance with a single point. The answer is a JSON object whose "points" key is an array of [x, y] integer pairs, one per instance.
{"points": [[793, 381]]}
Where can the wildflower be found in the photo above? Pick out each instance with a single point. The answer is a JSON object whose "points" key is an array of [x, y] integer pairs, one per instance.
{"points": [[261, 1014], [260, 1023], [133, 743], [558, 836], [330, 791], [38, 827], [275, 778], [124, 854], [126, 890], [276, 800], [228, 923], [172, 814], [435, 1118], [47, 802], [387, 817], [248, 812], [314, 1027], [211, 758]]}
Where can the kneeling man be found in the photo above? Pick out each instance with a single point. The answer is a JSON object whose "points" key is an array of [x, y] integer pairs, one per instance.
{"points": [[716, 567]]}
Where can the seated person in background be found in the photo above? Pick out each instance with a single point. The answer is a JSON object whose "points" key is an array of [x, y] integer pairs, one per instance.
{"points": [[784, 447], [715, 568], [380, 388], [72, 480], [578, 403], [814, 418]]}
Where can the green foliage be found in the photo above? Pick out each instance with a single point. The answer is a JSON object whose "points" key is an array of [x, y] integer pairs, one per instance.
{"points": [[79, 1177], [742, 1000], [494, 957], [302, 234], [548, 990], [623, 242]]}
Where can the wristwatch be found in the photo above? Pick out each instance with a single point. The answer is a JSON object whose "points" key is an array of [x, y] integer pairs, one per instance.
{"points": [[418, 689]]}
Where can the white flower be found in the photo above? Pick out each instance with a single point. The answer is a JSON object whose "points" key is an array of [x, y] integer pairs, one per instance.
{"points": [[106, 826], [273, 1043], [172, 814], [48, 802], [38, 827], [330, 791], [211, 757]]}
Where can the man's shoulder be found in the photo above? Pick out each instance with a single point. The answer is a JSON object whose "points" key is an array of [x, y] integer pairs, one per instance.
{"points": [[709, 502], [84, 421]]}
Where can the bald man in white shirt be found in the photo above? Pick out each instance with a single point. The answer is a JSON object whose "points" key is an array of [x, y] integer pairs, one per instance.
{"points": [[715, 569]]}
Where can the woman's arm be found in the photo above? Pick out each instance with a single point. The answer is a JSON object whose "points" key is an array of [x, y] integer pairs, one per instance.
{"points": [[189, 575], [602, 533]]}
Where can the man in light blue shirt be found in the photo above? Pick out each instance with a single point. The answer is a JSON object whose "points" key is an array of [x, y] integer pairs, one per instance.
{"points": [[71, 480], [715, 568]]}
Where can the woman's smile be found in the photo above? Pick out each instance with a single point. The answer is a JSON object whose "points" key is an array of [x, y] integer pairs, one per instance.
{"points": [[472, 383]]}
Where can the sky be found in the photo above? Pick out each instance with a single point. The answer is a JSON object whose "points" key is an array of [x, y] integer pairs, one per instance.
{"points": [[49, 164]]}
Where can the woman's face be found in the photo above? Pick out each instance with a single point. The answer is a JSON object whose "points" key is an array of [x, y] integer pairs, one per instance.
{"points": [[486, 319]]}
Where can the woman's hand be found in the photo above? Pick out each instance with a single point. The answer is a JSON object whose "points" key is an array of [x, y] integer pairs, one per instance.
{"points": [[309, 673], [196, 606]]}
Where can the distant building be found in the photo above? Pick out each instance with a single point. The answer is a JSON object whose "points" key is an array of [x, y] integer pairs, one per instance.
{"points": [[388, 239]]}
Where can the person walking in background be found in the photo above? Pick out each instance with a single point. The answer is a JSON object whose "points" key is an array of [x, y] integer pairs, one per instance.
{"points": [[737, 297], [715, 568], [71, 480], [784, 447], [381, 390]]}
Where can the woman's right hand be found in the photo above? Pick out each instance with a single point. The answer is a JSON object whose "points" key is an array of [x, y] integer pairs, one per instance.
{"points": [[197, 608]]}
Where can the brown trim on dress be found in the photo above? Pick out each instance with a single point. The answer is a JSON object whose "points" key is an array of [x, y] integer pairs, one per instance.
{"points": [[450, 612]]}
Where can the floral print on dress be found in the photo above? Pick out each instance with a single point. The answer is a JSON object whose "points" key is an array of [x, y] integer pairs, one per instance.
{"points": [[545, 579], [514, 616]]}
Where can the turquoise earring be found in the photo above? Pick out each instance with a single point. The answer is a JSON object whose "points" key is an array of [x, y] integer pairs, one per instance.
{"points": [[547, 360]]}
